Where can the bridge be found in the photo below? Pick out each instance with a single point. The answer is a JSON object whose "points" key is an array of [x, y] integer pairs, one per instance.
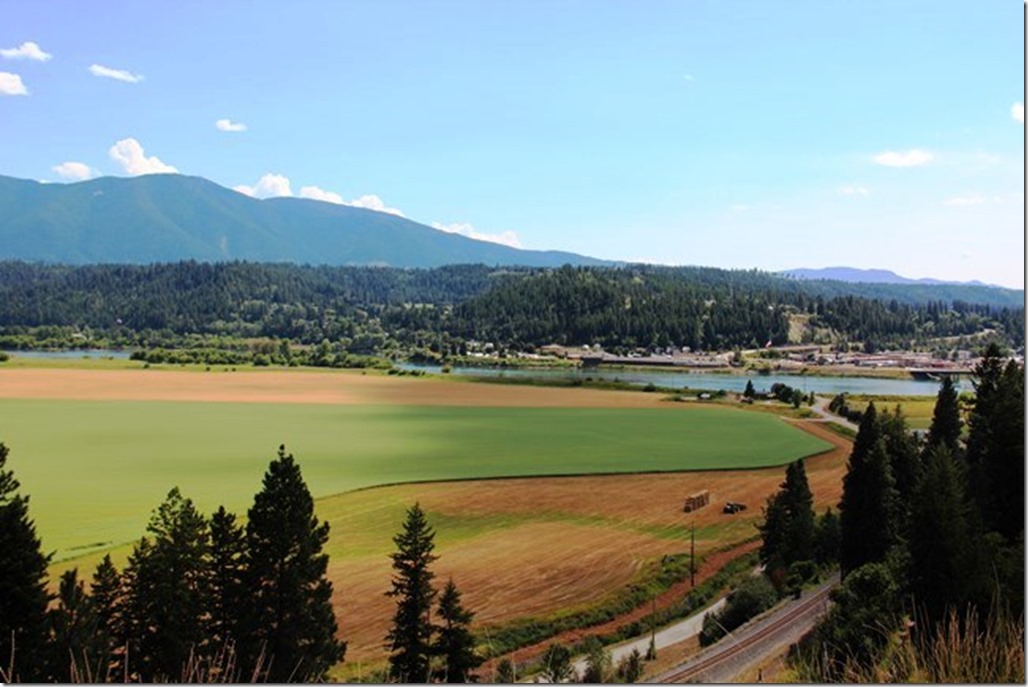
{"points": [[937, 373]]}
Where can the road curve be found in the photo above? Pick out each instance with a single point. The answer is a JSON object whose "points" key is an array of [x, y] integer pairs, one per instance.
{"points": [[754, 642]]}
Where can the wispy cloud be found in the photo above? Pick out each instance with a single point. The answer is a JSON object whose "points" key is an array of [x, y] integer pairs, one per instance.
{"points": [[907, 158], [73, 171], [11, 84], [1017, 112], [26, 51], [971, 199], [507, 238], [116, 74], [854, 190], [229, 125], [373, 202], [130, 155]]}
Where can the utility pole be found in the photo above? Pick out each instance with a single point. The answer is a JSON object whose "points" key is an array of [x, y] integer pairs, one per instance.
{"points": [[692, 556]]}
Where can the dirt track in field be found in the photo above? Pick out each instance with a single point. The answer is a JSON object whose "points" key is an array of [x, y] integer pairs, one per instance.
{"points": [[298, 387]]}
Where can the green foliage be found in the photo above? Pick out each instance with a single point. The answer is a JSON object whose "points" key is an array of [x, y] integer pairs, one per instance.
{"points": [[23, 593], [858, 627], [78, 645], [108, 596], [752, 597], [505, 672], [630, 668], [946, 423], [291, 619], [167, 591], [868, 508], [410, 638], [598, 663], [827, 539], [454, 642], [229, 595], [557, 666], [788, 527], [939, 570]]}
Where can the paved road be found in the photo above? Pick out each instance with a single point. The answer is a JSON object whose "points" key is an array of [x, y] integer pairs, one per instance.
{"points": [[756, 641], [821, 408], [672, 634]]}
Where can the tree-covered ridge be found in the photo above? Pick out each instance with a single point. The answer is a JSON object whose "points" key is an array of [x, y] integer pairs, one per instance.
{"points": [[366, 308]]}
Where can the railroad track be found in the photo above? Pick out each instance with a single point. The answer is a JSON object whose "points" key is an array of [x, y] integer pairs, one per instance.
{"points": [[768, 631]]}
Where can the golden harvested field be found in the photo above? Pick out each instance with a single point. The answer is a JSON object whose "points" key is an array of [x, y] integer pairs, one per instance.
{"points": [[281, 386], [523, 547]]}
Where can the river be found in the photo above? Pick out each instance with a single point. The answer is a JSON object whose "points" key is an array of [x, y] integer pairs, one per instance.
{"points": [[713, 382]]}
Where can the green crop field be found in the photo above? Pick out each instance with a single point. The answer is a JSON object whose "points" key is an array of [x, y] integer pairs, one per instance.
{"points": [[95, 469]]}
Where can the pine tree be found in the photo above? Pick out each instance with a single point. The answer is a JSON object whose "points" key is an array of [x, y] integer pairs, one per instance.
{"points": [[78, 651], [938, 570], [455, 643], [409, 640], [557, 666], [827, 539], [23, 594], [750, 392], [107, 593], [857, 494], [788, 528], [291, 617], [229, 598], [946, 423], [167, 591]]}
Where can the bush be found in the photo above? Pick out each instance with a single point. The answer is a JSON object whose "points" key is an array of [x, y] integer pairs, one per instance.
{"points": [[752, 597]]}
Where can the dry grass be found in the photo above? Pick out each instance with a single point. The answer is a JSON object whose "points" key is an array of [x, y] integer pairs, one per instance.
{"points": [[281, 386]]}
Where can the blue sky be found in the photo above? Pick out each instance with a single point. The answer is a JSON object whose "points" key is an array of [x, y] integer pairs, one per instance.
{"points": [[724, 133]]}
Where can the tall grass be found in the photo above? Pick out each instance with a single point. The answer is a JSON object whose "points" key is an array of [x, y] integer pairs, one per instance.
{"points": [[963, 649]]}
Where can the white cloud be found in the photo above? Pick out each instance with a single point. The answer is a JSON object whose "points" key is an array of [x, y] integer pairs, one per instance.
{"points": [[74, 171], [279, 186], [1017, 112], [129, 154], [854, 191], [116, 74], [373, 202], [229, 125], [268, 186], [315, 193], [909, 158], [507, 238], [11, 84], [26, 51]]}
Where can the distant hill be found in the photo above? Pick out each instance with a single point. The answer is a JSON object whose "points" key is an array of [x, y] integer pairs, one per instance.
{"points": [[172, 217], [860, 276]]}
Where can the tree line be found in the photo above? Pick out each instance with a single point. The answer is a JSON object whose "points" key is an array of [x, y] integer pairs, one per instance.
{"points": [[929, 536], [365, 310]]}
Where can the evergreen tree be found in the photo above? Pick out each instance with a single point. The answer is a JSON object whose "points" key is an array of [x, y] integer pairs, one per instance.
{"points": [[827, 539], [630, 669], [455, 643], [78, 651], [107, 593], [788, 529], [750, 392], [868, 497], [939, 570], [229, 598], [291, 619], [946, 423], [23, 594], [167, 592], [409, 640]]}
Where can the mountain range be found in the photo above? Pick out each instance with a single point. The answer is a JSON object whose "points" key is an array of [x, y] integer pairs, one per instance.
{"points": [[172, 217], [855, 275]]}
